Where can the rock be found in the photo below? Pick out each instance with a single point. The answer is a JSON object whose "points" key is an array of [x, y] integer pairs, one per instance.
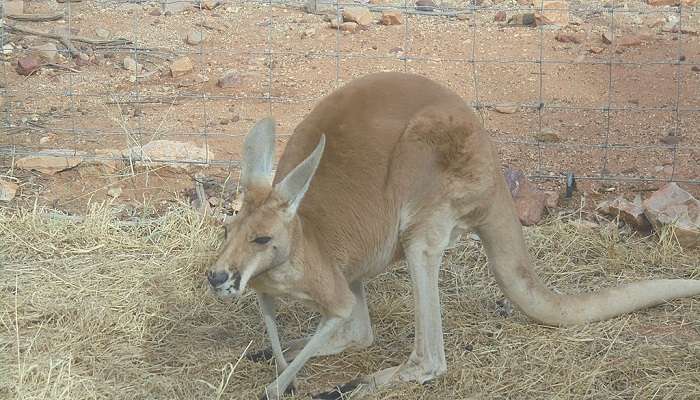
{"points": [[28, 65], [173, 7], [156, 12], [463, 17], [500, 16], [51, 161], [673, 206], [103, 33], [229, 79], [349, 27], [175, 155], [608, 37], [391, 18], [630, 40], [547, 135], [527, 19], [574, 20], [47, 51], [507, 108], [568, 38], [529, 200], [316, 7], [670, 140], [82, 60], [308, 33], [131, 65], [114, 192], [13, 7], [194, 37], [425, 5], [180, 67], [8, 190], [632, 213], [7, 49], [555, 11], [359, 15], [45, 139], [695, 68], [596, 50]]}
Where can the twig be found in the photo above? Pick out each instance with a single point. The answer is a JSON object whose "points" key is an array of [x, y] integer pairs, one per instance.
{"points": [[36, 17], [65, 40], [201, 194], [59, 66], [164, 100]]}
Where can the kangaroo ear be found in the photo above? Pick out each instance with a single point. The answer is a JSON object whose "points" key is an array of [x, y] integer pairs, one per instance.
{"points": [[294, 186], [258, 154]]}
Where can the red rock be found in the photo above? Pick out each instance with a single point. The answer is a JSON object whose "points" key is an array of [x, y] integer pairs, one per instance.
{"points": [[529, 200], [28, 65], [500, 16], [631, 213], [359, 15], [567, 38], [673, 206], [391, 18]]}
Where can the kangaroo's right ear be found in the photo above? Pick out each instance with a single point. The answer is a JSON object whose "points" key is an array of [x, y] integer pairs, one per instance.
{"points": [[258, 154]]}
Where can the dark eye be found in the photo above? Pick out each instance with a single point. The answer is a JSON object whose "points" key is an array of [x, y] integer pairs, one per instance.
{"points": [[225, 232], [262, 239]]}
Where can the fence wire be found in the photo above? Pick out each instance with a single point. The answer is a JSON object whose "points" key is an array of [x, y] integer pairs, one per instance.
{"points": [[82, 120]]}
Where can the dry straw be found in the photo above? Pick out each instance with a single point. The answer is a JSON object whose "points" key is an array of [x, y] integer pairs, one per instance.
{"points": [[95, 308]]}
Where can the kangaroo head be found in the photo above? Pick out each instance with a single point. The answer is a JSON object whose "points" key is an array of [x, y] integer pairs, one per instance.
{"points": [[261, 236]]}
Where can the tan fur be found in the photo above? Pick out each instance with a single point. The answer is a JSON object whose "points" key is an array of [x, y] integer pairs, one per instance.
{"points": [[406, 168]]}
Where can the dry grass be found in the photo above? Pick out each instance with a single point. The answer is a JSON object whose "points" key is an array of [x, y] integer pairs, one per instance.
{"points": [[97, 309]]}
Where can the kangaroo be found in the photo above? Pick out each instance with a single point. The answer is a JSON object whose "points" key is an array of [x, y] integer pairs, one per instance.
{"points": [[390, 166]]}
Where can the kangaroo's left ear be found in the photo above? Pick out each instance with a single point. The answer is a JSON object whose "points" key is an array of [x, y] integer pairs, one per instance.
{"points": [[258, 155], [294, 186]]}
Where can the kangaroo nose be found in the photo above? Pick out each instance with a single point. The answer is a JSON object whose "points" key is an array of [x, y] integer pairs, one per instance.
{"points": [[217, 278]]}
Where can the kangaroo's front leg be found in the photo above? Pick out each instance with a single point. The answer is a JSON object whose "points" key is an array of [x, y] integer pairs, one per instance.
{"points": [[319, 340], [267, 308]]}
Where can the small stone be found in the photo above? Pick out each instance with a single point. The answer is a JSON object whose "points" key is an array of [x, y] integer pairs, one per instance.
{"points": [[173, 7], [47, 51], [574, 20], [82, 60], [7, 49], [463, 17], [13, 7], [527, 19], [608, 37], [131, 65], [670, 140], [555, 11], [425, 5], [568, 38], [44, 139], [596, 50], [214, 201], [180, 67], [500, 16], [308, 33], [8, 190], [103, 33], [349, 27], [395, 50], [552, 199], [547, 135], [28, 65], [114, 192], [194, 37], [673, 206], [391, 18], [156, 12], [507, 108], [359, 15], [632, 213], [695, 68], [229, 79], [52, 162]]}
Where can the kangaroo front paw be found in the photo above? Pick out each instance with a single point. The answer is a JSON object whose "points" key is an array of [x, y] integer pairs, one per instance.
{"points": [[263, 355]]}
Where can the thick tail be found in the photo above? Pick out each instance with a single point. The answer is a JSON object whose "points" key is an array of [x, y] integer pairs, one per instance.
{"points": [[510, 262]]}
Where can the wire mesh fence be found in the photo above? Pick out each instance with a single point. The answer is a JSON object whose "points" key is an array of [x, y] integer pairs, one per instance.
{"points": [[605, 90]]}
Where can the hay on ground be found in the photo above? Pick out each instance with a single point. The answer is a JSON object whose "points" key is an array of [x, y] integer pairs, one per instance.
{"points": [[98, 309]]}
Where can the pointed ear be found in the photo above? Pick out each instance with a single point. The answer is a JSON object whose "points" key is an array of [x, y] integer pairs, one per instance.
{"points": [[293, 187], [258, 154]]}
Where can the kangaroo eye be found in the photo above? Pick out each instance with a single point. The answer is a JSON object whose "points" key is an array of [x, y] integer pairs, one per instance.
{"points": [[262, 239]]}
